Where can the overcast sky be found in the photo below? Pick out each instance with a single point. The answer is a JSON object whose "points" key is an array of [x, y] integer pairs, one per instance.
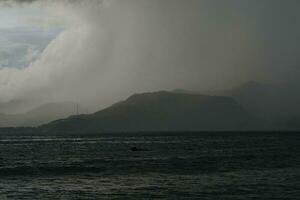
{"points": [[100, 52]]}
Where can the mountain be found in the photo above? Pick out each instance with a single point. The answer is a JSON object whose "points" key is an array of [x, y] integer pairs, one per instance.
{"points": [[272, 103], [162, 111], [292, 124], [18, 106], [38, 116]]}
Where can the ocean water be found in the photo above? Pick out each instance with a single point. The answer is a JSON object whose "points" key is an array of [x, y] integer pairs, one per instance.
{"points": [[187, 166]]}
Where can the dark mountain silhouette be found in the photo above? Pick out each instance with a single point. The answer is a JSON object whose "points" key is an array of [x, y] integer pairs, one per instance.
{"points": [[292, 124], [38, 116], [163, 111], [272, 103]]}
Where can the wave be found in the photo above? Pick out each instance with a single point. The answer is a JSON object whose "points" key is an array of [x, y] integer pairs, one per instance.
{"points": [[162, 164], [92, 166], [48, 170]]}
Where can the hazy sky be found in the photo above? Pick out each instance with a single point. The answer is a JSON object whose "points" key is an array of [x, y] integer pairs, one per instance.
{"points": [[25, 31], [98, 52]]}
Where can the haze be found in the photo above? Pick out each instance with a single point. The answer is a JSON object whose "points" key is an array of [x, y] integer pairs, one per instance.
{"points": [[98, 52]]}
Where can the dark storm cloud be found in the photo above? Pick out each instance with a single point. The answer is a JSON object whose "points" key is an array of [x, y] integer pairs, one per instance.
{"points": [[277, 28], [128, 46], [18, 1], [26, 1]]}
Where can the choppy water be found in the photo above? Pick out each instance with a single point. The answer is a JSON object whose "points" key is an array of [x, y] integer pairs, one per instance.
{"points": [[204, 166]]}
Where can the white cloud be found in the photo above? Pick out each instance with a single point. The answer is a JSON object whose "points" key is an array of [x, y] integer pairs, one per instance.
{"points": [[15, 43], [60, 64], [111, 50], [32, 54]]}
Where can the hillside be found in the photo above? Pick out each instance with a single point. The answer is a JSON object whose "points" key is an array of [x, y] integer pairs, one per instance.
{"points": [[273, 103], [163, 111], [38, 116]]}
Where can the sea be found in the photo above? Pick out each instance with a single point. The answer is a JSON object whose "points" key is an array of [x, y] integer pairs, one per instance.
{"points": [[208, 166]]}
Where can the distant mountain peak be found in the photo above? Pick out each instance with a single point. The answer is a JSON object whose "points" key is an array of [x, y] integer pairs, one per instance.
{"points": [[42, 114]]}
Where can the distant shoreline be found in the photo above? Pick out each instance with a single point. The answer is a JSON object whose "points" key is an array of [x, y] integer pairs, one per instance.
{"points": [[38, 132]]}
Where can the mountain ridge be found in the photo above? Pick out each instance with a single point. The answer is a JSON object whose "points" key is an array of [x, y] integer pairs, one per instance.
{"points": [[162, 111], [42, 114]]}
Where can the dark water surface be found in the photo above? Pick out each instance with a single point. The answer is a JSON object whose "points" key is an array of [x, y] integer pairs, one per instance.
{"points": [[203, 166]]}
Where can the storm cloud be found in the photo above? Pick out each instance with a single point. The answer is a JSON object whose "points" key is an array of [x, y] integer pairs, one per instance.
{"points": [[113, 48]]}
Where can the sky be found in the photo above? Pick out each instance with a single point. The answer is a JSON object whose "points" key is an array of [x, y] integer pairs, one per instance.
{"points": [[97, 52], [25, 31]]}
